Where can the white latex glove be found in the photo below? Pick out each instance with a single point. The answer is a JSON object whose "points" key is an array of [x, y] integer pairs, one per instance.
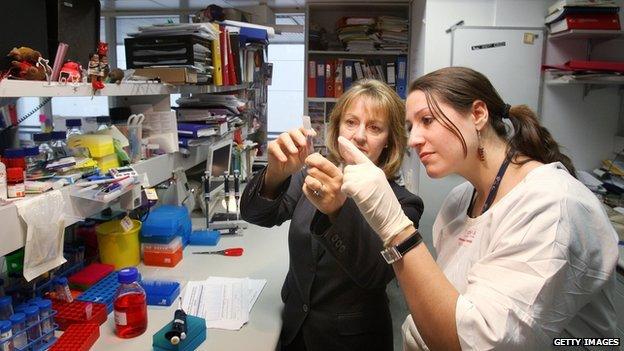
{"points": [[367, 185]]}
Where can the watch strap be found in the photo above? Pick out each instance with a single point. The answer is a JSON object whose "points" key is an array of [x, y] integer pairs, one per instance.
{"points": [[395, 253]]}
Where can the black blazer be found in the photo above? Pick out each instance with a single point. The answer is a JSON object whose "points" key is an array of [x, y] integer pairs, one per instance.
{"points": [[334, 292]]}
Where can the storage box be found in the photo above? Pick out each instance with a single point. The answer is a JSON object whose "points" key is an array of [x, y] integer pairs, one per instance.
{"points": [[179, 50], [162, 259], [90, 275], [99, 145], [172, 75], [160, 292], [166, 222], [169, 248]]}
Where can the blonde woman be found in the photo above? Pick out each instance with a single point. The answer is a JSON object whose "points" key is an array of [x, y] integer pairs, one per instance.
{"points": [[334, 292]]}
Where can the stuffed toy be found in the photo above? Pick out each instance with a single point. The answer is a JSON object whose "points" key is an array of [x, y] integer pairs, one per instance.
{"points": [[24, 64], [71, 72], [115, 76]]}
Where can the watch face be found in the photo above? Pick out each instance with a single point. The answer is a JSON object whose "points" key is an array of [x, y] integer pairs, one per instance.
{"points": [[391, 254]]}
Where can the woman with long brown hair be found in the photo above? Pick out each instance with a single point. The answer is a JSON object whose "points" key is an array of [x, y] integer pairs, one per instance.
{"points": [[525, 252]]}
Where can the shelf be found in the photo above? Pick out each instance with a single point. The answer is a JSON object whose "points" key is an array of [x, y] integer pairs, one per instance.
{"points": [[587, 34], [357, 53], [567, 81], [319, 99], [21, 88]]}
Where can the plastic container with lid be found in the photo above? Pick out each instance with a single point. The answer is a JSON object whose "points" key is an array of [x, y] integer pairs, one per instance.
{"points": [[6, 307], [32, 323], [117, 246], [47, 321], [14, 158], [99, 145], [15, 182], [130, 306], [58, 144], [164, 255], [6, 336], [74, 127], [18, 326], [61, 287], [166, 222], [42, 140]]}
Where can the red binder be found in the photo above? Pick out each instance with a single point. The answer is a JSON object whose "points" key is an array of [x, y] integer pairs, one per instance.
{"points": [[599, 21], [312, 79], [231, 63], [224, 56]]}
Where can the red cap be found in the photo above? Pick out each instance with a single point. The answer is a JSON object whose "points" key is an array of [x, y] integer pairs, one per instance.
{"points": [[15, 174]]}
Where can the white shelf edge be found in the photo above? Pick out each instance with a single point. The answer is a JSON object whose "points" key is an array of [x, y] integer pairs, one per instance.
{"points": [[21, 88], [587, 34], [319, 99], [581, 82], [357, 53]]}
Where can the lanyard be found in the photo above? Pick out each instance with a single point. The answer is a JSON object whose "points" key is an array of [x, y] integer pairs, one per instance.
{"points": [[493, 189]]}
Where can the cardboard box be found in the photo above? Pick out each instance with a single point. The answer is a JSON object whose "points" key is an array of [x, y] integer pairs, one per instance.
{"points": [[171, 75]]}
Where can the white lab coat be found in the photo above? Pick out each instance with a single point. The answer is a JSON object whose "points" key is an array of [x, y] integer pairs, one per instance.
{"points": [[538, 264]]}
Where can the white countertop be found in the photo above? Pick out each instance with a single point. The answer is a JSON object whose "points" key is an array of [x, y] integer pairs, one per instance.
{"points": [[265, 257]]}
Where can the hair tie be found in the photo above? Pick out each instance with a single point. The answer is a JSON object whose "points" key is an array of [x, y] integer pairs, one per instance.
{"points": [[506, 111]]}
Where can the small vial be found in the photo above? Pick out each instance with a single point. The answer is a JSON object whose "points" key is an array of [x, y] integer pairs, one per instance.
{"points": [[18, 326], [15, 183], [47, 323], [130, 306], [62, 290], [31, 157], [6, 309], [32, 323], [6, 334]]}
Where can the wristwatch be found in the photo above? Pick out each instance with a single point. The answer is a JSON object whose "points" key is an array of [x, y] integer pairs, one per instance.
{"points": [[396, 252]]}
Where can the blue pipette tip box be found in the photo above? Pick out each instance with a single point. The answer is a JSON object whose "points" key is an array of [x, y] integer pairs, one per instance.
{"points": [[195, 336], [205, 237], [160, 292]]}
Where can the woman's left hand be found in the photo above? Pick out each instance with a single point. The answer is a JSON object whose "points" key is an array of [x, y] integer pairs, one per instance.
{"points": [[322, 185]]}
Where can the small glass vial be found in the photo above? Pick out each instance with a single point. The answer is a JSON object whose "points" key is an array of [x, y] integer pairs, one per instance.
{"points": [[18, 326], [33, 329], [15, 183], [42, 140], [47, 323], [31, 155], [130, 305], [73, 127], [58, 145], [103, 123], [6, 307], [6, 336]]}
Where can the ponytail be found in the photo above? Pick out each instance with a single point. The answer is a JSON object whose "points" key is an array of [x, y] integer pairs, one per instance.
{"points": [[532, 140]]}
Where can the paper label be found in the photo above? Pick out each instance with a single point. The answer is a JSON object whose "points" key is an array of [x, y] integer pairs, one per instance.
{"points": [[89, 311], [126, 224], [120, 318], [151, 195]]}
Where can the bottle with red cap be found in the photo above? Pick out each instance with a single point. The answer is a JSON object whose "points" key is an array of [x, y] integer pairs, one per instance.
{"points": [[15, 182], [130, 306]]}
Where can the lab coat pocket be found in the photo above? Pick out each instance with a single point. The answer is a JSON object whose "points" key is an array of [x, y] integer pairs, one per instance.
{"points": [[355, 323]]}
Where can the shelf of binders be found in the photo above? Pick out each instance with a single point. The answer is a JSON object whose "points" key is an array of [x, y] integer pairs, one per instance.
{"points": [[587, 34], [21, 88], [358, 53]]}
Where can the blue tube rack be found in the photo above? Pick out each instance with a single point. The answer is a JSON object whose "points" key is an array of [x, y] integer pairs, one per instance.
{"points": [[40, 343], [102, 292]]}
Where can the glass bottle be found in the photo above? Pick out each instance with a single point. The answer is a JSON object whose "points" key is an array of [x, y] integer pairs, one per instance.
{"points": [[73, 127], [130, 306], [103, 123], [42, 140]]}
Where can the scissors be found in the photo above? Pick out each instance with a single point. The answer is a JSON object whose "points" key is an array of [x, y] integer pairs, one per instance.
{"points": [[136, 119], [234, 251]]}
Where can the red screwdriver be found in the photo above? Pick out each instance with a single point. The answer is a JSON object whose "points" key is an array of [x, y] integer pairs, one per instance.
{"points": [[233, 251]]}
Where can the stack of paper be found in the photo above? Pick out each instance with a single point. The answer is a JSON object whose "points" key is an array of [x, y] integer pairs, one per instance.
{"points": [[225, 303]]}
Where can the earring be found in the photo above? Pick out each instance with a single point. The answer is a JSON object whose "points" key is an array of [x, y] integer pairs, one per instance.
{"points": [[480, 149]]}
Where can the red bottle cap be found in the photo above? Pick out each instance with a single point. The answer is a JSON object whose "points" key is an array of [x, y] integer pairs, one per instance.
{"points": [[15, 174]]}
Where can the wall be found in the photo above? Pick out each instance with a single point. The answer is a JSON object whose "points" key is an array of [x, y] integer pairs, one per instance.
{"points": [[584, 126]]}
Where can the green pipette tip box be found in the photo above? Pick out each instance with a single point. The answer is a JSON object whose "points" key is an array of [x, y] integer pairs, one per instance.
{"points": [[195, 336]]}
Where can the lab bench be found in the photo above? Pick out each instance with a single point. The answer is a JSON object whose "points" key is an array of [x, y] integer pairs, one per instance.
{"points": [[265, 257]]}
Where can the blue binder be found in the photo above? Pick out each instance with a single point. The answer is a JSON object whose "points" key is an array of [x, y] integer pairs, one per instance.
{"points": [[347, 75], [253, 35], [320, 78], [401, 81]]}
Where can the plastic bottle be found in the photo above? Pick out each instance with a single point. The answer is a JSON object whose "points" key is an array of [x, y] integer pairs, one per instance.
{"points": [[103, 123], [45, 309], [3, 182], [73, 127], [15, 183], [58, 145], [32, 323], [130, 305], [6, 309], [6, 344], [42, 140], [18, 326]]}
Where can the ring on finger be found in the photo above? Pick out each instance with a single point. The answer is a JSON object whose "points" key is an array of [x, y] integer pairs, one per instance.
{"points": [[319, 191]]}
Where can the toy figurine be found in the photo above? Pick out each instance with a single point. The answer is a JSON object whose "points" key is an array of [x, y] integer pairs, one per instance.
{"points": [[94, 72], [71, 72], [104, 68]]}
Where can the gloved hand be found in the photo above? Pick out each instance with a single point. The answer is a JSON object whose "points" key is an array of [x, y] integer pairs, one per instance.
{"points": [[369, 188]]}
